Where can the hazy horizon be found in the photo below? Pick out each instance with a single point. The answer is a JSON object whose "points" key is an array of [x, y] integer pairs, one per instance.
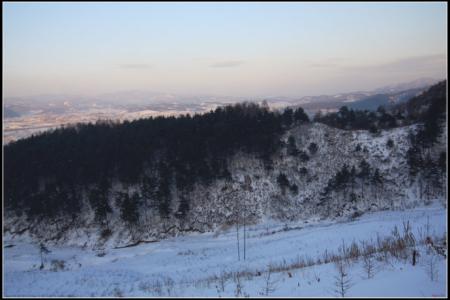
{"points": [[223, 49], [139, 93]]}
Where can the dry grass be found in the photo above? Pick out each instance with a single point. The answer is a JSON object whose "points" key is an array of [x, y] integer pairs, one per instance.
{"points": [[399, 245]]}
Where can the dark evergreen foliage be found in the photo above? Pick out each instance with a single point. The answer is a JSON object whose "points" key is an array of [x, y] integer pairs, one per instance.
{"points": [[303, 156], [398, 115], [390, 143], [303, 171], [292, 146], [128, 207], [294, 189], [347, 118], [430, 110], [99, 200], [313, 148], [283, 182], [48, 174], [300, 116], [52, 174]]}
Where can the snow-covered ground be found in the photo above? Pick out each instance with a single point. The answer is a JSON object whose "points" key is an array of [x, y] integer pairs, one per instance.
{"points": [[186, 266]]}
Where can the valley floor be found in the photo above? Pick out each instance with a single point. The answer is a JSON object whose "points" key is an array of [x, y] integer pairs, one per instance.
{"points": [[204, 264]]}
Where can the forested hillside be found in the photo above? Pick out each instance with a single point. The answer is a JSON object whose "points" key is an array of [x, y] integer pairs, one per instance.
{"points": [[161, 176]]}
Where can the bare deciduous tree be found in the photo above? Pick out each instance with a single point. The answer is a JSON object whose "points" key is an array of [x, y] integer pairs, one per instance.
{"points": [[233, 197], [43, 250], [342, 280], [369, 265], [222, 281], [248, 189], [431, 266], [239, 285], [169, 284], [414, 255], [270, 284]]}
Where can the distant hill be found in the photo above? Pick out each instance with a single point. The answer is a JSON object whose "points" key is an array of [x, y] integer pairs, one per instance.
{"points": [[123, 183], [386, 100], [364, 100], [415, 84], [417, 106]]}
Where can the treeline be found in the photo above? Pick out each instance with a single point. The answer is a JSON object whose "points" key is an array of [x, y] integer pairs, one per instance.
{"points": [[413, 111], [51, 173], [428, 169], [425, 166], [349, 119], [139, 166], [352, 183]]}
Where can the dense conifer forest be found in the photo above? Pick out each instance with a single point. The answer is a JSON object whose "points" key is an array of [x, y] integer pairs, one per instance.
{"points": [[46, 174], [50, 174]]}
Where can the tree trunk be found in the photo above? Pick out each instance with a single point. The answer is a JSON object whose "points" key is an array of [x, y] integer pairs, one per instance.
{"points": [[237, 237], [244, 224], [244, 234], [362, 188]]}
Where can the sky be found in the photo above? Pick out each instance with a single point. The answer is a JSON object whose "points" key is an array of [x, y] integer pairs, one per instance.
{"points": [[229, 49]]}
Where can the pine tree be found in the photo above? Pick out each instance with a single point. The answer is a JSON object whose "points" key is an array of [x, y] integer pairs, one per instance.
{"points": [[442, 165], [377, 181], [432, 176], [415, 160], [99, 199], [292, 146], [183, 207], [294, 189], [300, 116], [43, 250], [163, 193], [283, 182], [364, 174], [352, 178], [442, 162], [288, 117], [341, 182], [313, 148], [303, 156], [390, 143], [129, 207], [149, 191]]}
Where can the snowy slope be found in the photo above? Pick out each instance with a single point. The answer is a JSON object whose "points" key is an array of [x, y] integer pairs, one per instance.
{"points": [[186, 266], [255, 192]]}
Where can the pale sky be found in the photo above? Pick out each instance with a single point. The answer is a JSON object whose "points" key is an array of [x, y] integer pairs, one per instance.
{"points": [[229, 49]]}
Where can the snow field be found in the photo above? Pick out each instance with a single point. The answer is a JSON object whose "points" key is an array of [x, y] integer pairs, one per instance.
{"points": [[193, 265]]}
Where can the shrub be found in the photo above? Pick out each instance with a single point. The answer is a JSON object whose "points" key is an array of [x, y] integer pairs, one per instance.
{"points": [[303, 156], [313, 148], [106, 233], [390, 143], [356, 214], [57, 265], [294, 189]]}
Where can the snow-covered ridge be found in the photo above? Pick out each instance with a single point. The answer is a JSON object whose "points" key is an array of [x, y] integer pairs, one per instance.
{"points": [[255, 192]]}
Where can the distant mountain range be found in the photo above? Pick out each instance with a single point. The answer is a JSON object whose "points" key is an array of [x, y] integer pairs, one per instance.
{"points": [[393, 94], [387, 99], [368, 100], [120, 184], [415, 84], [135, 100]]}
